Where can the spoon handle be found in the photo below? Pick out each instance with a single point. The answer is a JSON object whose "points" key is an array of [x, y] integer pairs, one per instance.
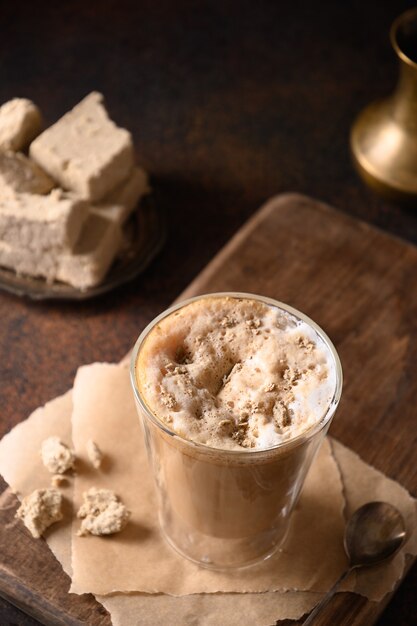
{"points": [[326, 599]]}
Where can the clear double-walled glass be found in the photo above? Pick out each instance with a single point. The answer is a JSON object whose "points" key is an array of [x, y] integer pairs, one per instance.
{"points": [[228, 508]]}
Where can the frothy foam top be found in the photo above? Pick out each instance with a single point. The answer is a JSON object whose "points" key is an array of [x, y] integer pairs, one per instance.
{"points": [[235, 373]]}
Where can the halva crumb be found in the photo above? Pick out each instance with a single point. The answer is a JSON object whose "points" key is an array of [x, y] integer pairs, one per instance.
{"points": [[40, 509], [94, 453], [58, 480], [56, 456], [102, 513]]}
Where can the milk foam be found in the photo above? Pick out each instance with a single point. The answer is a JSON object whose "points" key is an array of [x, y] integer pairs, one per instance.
{"points": [[235, 373]]}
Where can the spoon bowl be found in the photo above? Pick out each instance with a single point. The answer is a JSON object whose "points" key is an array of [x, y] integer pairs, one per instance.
{"points": [[374, 532]]}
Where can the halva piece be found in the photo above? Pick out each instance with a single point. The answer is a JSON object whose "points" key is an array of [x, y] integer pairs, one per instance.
{"points": [[27, 262], [85, 151], [20, 122], [94, 454], [102, 513], [121, 202], [39, 223], [87, 264], [56, 456], [40, 509], [18, 174], [82, 267]]}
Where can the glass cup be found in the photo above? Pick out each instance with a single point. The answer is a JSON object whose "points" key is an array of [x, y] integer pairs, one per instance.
{"points": [[228, 508]]}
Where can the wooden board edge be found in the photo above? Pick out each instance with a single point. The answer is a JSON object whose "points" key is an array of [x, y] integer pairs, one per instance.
{"points": [[279, 202]]}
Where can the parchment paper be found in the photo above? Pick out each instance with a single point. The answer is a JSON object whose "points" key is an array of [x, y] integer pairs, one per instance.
{"points": [[22, 468], [138, 559], [211, 609]]}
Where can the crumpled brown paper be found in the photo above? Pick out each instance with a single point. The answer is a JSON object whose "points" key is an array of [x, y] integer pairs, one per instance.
{"points": [[21, 466], [209, 609]]}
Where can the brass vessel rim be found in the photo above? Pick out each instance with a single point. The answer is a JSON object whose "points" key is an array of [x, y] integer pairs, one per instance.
{"points": [[402, 19]]}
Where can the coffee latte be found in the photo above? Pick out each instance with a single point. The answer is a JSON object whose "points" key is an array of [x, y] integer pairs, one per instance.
{"points": [[235, 393]]}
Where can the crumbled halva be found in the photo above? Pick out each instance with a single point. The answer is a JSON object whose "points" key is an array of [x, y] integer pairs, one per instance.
{"points": [[56, 456], [102, 513], [39, 222], [121, 202], [94, 453], [20, 122], [85, 151], [40, 509], [18, 174], [58, 480]]}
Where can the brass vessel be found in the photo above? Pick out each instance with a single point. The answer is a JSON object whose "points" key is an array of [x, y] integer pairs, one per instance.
{"points": [[384, 136]]}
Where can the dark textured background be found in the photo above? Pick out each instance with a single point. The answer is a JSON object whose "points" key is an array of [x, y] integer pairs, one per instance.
{"points": [[229, 103]]}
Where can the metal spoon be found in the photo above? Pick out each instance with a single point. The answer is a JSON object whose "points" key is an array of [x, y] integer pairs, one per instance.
{"points": [[374, 532]]}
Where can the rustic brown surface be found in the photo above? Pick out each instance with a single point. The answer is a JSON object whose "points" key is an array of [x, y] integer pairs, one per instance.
{"points": [[229, 103], [355, 281]]}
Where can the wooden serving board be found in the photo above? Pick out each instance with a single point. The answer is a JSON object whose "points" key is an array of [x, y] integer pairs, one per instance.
{"points": [[359, 284]]}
